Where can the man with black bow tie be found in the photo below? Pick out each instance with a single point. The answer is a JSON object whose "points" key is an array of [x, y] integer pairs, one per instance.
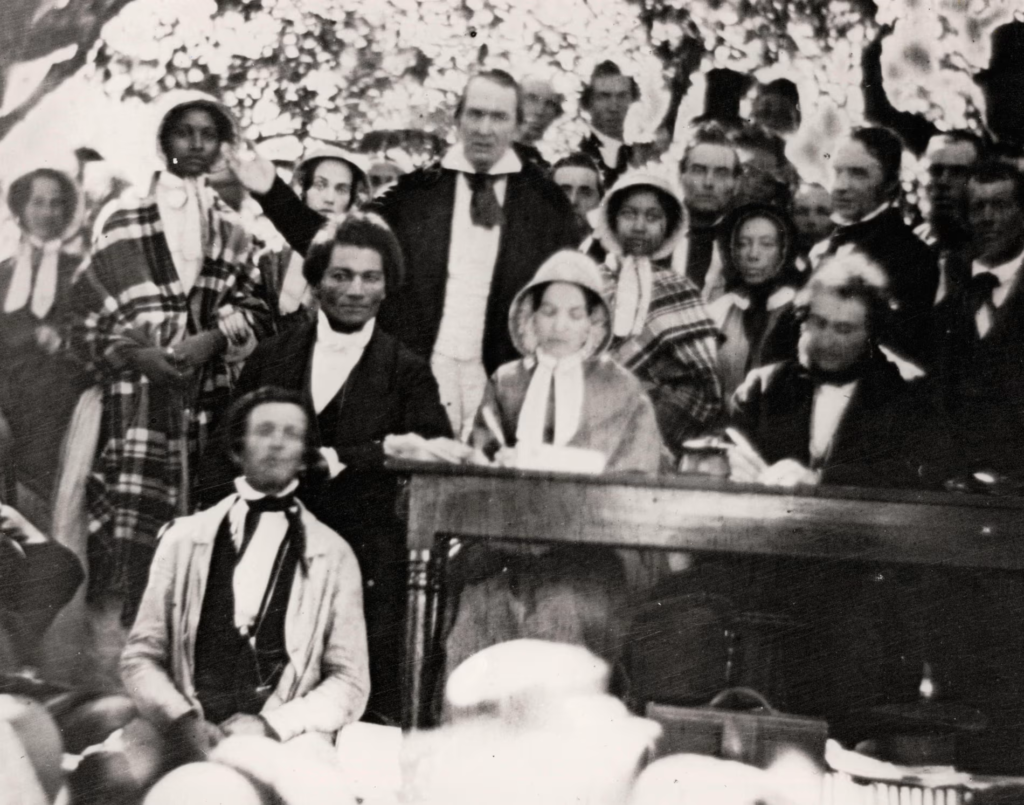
{"points": [[979, 334], [252, 620], [474, 229], [865, 206], [840, 413]]}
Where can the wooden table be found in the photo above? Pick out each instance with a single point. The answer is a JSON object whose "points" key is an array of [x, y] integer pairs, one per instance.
{"points": [[682, 513]]}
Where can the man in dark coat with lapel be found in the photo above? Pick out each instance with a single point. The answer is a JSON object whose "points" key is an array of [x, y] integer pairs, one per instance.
{"points": [[607, 99], [842, 414], [979, 337], [474, 229], [365, 391], [865, 190]]}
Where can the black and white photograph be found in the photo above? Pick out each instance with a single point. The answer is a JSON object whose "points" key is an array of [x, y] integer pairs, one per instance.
{"points": [[522, 402]]}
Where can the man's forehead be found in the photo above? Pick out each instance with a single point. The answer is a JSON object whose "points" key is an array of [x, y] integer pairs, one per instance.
{"points": [[355, 258], [990, 190], [540, 87], [483, 93], [811, 196], [838, 309], [277, 411], [943, 151], [712, 155], [575, 175], [851, 152], [612, 83]]}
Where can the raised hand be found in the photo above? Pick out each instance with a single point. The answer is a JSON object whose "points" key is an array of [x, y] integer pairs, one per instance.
{"points": [[256, 173]]}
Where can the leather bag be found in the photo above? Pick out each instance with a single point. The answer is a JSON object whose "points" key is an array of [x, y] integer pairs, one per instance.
{"points": [[754, 736]]}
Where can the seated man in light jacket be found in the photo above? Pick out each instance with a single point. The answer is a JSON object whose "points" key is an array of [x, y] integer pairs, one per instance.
{"points": [[252, 620]]}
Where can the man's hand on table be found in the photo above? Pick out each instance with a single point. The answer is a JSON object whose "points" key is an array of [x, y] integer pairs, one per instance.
{"points": [[245, 724], [789, 472]]}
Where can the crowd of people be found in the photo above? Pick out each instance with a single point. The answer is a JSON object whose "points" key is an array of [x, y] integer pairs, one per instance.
{"points": [[609, 312]]}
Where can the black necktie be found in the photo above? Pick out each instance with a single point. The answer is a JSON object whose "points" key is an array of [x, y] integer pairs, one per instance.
{"points": [[980, 289], [257, 508], [484, 209]]}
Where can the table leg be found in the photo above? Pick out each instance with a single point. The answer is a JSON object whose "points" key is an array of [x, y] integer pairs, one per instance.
{"points": [[416, 636]]}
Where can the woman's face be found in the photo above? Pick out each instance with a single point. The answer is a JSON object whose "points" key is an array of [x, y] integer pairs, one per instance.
{"points": [[45, 212], [561, 321], [331, 188], [757, 250], [641, 224]]}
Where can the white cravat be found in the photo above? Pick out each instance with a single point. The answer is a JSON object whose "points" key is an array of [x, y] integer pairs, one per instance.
{"points": [[472, 255], [830, 403], [1006, 274], [335, 355], [253, 569], [609, 148], [567, 377], [39, 295], [182, 215], [632, 293]]}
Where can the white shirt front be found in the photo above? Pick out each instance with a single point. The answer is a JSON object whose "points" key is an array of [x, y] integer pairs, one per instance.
{"points": [[1006, 274], [252, 572], [335, 355], [609, 148], [472, 255], [182, 211], [827, 409]]}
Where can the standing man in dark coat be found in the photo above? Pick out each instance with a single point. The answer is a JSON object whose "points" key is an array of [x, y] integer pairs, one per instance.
{"points": [[979, 337], [365, 393], [865, 191], [607, 99], [474, 229]]}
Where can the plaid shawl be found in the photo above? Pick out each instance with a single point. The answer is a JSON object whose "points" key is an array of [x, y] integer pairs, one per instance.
{"points": [[674, 356], [128, 291]]}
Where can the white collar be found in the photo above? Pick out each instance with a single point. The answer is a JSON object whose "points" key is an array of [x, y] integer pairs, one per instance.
{"points": [[174, 186], [841, 221], [247, 493], [1004, 272], [329, 338], [605, 140], [782, 296], [44, 245], [455, 159]]}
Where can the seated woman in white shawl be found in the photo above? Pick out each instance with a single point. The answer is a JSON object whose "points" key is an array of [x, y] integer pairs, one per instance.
{"points": [[564, 394]]}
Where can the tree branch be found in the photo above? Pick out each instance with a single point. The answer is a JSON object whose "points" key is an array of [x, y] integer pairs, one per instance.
{"points": [[84, 35]]}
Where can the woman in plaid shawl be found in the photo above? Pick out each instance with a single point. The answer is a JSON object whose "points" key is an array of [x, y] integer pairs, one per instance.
{"points": [[166, 303], [662, 331]]}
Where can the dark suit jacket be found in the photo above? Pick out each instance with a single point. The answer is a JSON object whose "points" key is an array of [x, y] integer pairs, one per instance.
{"points": [[888, 435], [980, 382], [538, 222], [591, 146], [390, 391], [913, 272]]}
